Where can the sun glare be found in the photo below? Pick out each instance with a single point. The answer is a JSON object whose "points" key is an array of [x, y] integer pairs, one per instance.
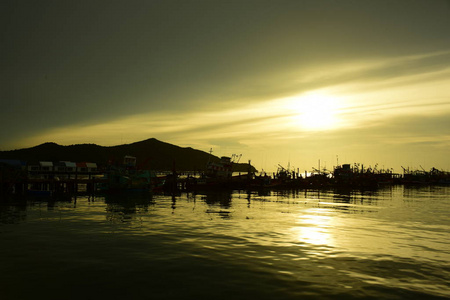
{"points": [[315, 111], [315, 229]]}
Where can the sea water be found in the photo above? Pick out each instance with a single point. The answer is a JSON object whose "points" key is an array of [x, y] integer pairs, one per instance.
{"points": [[390, 243]]}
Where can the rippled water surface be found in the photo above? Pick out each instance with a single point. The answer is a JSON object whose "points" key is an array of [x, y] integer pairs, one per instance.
{"points": [[391, 243]]}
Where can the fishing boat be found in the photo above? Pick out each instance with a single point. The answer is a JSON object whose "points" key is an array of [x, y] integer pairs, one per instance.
{"points": [[218, 174], [126, 177], [358, 176]]}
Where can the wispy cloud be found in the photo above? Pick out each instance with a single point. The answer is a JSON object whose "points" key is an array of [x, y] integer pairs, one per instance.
{"points": [[363, 100], [384, 106]]}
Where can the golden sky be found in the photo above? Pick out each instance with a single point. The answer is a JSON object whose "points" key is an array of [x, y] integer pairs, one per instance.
{"points": [[280, 82]]}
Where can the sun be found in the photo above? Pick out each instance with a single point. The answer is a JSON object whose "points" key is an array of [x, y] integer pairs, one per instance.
{"points": [[315, 111]]}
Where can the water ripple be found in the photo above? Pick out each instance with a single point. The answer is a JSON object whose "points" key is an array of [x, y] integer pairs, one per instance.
{"points": [[310, 245]]}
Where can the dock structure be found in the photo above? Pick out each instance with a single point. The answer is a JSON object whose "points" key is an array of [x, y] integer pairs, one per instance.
{"points": [[65, 177], [45, 177], [73, 185]]}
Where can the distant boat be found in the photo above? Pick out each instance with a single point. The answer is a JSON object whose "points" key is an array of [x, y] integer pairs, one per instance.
{"points": [[221, 169], [346, 175], [217, 174], [127, 177], [434, 176], [220, 175]]}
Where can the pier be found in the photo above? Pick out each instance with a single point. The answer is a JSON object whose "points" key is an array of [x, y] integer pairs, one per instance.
{"points": [[50, 186], [46, 178]]}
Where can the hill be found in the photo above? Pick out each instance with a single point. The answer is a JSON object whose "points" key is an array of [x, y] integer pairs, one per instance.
{"points": [[150, 154]]}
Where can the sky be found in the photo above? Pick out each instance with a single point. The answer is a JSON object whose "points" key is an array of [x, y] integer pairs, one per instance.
{"points": [[291, 83]]}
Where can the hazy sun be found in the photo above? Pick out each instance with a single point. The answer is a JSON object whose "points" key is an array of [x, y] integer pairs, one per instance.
{"points": [[315, 111]]}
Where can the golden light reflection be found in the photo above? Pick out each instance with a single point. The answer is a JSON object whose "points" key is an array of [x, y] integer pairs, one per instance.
{"points": [[314, 229], [313, 235]]}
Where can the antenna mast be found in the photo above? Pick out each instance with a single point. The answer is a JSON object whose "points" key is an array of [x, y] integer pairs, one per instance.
{"points": [[209, 157]]}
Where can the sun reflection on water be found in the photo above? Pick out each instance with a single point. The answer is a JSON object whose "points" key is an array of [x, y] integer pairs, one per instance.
{"points": [[314, 228]]}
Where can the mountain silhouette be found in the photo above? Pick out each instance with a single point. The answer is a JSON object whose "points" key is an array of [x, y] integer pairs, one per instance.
{"points": [[150, 154]]}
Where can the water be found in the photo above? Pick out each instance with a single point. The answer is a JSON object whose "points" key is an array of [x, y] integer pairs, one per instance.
{"points": [[392, 243]]}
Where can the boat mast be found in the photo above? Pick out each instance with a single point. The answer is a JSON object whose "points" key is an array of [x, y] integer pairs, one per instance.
{"points": [[319, 166], [209, 157]]}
